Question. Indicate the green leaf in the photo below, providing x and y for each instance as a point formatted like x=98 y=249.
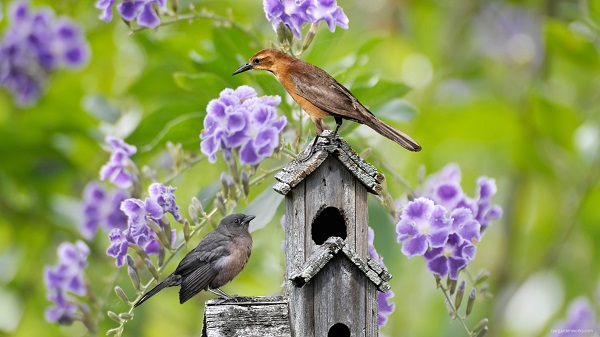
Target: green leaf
x=233 y=46
x=375 y=95
x=370 y=44
x=100 y=108
x=168 y=127
x=204 y=83
x=397 y=110
x=594 y=10
x=264 y=207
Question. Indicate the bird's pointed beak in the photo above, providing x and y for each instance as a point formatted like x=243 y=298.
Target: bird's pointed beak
x=248 y=218
x=243 y=68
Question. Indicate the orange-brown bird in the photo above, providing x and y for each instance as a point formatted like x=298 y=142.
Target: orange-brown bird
x=320 y=95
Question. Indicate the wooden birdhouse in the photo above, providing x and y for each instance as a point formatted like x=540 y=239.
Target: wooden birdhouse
x=331 y=282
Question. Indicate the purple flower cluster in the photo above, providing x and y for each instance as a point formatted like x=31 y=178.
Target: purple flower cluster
x=101 y=207
x=384 y=300
x=443 y=224
x=120 y=170
x=239 y=120
x=145 y=11
x=139 y=213
x=581 y=320
x=36 y=43
x=295 y=13
x=63 y=278
x=444 y=189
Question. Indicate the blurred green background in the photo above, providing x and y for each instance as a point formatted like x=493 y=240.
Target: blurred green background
x=506 y=89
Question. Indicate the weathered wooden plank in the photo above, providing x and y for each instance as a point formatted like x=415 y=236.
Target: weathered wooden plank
x=331 y=185
x=340 y=298
x=247 y=316
x=311 y=158
x=282 y=188
x=363 y=164
x=301 y=300
x=371 y=309
x=295 y=171
x=362 y=220
x=362 y=265
x=382 y=272
x=363 y=177
x=317 y=261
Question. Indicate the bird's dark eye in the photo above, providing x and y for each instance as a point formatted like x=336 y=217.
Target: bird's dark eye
x=237 y=220
x=256 y=61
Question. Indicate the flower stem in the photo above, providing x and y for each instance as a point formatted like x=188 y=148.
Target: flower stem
x=453 y=307
x=204 y=14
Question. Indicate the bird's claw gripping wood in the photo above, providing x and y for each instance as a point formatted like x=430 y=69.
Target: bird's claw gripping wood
x=320 y=95
x=325 y=138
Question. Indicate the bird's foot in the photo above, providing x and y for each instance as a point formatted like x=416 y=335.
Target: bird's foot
x=324 y=138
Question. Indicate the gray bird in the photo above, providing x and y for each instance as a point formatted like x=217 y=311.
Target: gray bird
x=219 y=257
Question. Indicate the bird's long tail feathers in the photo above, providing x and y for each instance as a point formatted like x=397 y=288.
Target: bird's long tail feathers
x=168 y=282
x=397 y=136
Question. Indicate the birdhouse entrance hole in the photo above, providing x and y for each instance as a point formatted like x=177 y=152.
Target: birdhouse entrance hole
x=329 y=222
x=338 y=330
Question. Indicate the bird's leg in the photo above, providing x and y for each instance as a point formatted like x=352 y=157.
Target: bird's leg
x=319 y=127
x=220 y=293
x=338 y=123
x=223 y=297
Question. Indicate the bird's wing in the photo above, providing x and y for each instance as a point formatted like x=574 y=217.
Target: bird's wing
x=196 y=281
x=327 y=94
x=212 y=247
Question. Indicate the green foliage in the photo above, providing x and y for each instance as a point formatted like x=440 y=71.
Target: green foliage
x=532 y=126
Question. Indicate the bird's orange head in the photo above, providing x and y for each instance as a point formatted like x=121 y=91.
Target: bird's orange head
x=265 y=59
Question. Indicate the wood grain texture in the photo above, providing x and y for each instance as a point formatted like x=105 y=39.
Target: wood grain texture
x=311 y=158
x=331 y=285
x=248 y=317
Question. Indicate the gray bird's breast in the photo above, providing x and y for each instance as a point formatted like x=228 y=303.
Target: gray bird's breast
x=231 y=265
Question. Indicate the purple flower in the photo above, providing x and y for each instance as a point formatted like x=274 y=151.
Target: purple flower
x=295 y=13
x=119 y=168
x=580 y=322
x=129 y=10
x=422 y=226
x=444 y=189
x=64 y=311
x=118 y=246
x=386 y=306
x=34 y=44
x=485 y=210
x=240 y=120
x=101 y=207
x=106 y=7
x=451 y=257
x=465 y=225
x=66 y=276
x=384 y=300
x=165 y=198
x=139 y=213
x=328 y=11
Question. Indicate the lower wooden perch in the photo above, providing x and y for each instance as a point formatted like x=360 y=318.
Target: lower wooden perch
x=266 y=316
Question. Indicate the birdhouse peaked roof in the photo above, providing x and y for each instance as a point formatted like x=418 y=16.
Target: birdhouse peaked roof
x=333 y=246
x=311 y=158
